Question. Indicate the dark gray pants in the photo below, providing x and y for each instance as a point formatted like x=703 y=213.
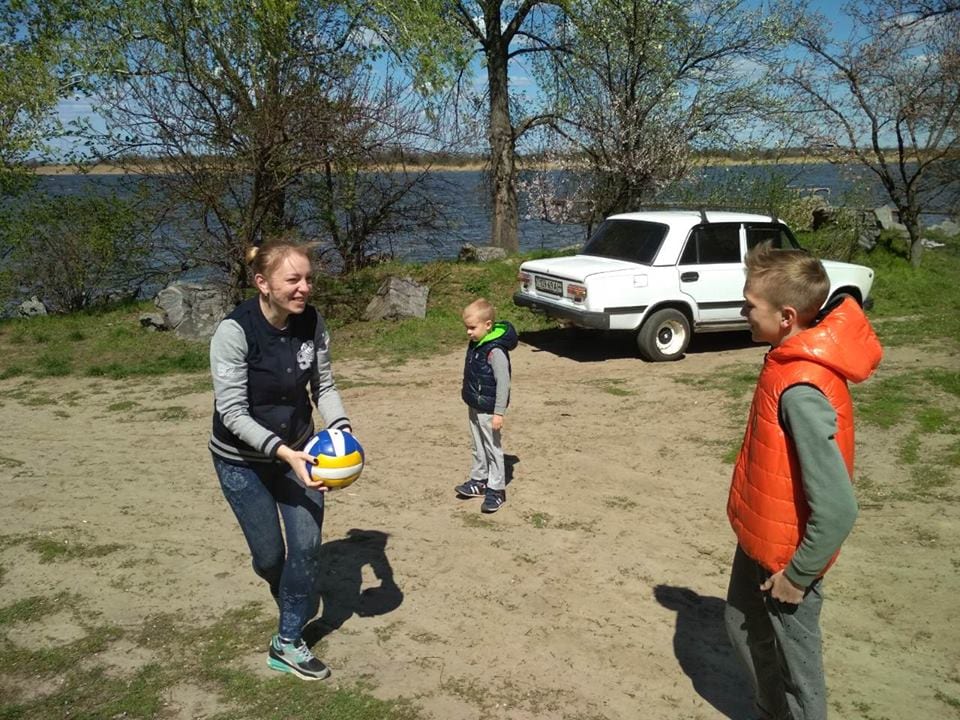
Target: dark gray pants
x=779 y=644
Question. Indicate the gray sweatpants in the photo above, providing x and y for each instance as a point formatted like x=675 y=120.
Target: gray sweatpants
x=487 y=453
x=779 y=644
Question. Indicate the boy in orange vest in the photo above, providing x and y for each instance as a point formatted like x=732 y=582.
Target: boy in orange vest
x=791 y=500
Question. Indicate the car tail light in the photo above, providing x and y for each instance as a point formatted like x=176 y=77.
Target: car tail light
x=577 y=292
x=524 y=278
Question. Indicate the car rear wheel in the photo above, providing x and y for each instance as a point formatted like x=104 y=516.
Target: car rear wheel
x=664 y=336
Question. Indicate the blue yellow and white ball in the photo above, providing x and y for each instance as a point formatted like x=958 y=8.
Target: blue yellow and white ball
x=339 y=458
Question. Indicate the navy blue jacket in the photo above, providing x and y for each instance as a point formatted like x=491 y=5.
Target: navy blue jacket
x=479 y=384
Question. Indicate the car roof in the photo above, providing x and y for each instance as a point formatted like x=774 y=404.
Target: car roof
x=689 y=218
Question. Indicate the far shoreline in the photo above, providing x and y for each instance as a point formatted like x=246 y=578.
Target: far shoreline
x=158 y=168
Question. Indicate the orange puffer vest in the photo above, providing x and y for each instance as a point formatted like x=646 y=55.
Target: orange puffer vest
x=767 y=506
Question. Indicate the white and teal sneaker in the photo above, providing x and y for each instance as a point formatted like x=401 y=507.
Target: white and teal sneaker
x=295 y=658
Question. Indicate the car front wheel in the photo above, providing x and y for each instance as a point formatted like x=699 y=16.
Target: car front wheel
x=664 y=336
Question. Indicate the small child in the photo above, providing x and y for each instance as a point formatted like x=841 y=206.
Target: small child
x=486 y=391
x=791 y=500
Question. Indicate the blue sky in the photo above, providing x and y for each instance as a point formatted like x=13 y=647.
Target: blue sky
x=79 y=108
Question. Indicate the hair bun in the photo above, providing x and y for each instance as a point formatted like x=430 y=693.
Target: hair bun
x=251 y=254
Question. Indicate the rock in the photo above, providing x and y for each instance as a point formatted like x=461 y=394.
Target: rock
x=889 y=219
x=153 y=321
x=31 y=308
x=948 y=227
x=193 y=310
x=484 y=253
x=398 y=297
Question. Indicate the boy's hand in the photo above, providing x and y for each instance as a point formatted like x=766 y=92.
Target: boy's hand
x=783 y=589
x=497 y=422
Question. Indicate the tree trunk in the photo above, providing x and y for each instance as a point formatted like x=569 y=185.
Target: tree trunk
x=503 y=230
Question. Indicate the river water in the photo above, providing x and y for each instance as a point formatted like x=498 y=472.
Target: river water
x=463 y=195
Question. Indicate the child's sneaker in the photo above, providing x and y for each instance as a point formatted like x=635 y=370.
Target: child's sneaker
x=492 y=500
x=471 y=489
x=295 y=658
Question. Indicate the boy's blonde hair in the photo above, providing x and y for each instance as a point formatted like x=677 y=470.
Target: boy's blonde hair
x=482 y=309
x=788 y=277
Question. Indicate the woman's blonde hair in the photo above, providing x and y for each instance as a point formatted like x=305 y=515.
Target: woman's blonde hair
x=784 y=278
x=263 y=259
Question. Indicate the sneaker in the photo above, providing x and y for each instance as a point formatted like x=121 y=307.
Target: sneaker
x=471 y=489
x=492 y=500
x=295 y=658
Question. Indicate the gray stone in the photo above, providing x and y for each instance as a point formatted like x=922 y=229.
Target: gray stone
x=398 y=297
x=889 y=219
x=948 y=228
x=483 y=253
x=153 y=321
x=193 y=310
x=31 y=308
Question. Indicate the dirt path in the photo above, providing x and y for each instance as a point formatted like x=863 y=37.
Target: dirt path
x=596 y=592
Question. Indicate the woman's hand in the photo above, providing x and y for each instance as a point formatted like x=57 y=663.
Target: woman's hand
x=299 y=460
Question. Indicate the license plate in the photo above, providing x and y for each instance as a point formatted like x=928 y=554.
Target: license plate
x=547 y=285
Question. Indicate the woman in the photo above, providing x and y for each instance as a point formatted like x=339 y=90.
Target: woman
x=263 y=358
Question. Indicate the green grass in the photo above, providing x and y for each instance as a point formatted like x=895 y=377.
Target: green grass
x=79 y=683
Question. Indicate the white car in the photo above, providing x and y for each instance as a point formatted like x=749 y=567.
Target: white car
x=664 y=275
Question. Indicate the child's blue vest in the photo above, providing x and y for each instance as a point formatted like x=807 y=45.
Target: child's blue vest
x=479 y=385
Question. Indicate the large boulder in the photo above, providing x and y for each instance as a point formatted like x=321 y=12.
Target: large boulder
x=483 y=253
x=398 y=297
x=193 y=310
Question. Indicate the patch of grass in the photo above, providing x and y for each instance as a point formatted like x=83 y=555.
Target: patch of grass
x=53 y=550
x=174 y=412
x=122 y=405
x=914 y=306
x=53 y=365
x=936 y=419
x=886 y=401
x=539 y=520
x=476 y=520
x=910 y=449
x=33 y=608
x=947 y=699
x=612 y=386
x=11 y=372
x=619 y=502
x=946 y=380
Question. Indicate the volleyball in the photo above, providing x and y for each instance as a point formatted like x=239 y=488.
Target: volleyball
x=339 y=458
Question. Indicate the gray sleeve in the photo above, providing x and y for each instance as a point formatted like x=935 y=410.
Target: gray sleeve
x=323 y=389
x=501 y=373
x=228 y=366
x=811 y=422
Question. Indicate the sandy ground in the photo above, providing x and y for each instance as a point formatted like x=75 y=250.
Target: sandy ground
x=596 y=592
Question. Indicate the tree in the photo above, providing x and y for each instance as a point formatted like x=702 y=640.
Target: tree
x=239 y=107
x=888 y=99
x=32 y=81
x=500 y=32
x=646 y=81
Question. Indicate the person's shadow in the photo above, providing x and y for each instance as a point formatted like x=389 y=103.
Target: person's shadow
x=509 y=461
x=342 y=563
x=704 y=652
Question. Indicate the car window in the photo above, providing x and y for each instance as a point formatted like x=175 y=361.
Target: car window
x=630 y=240
x=777 y=234
x=716 y=243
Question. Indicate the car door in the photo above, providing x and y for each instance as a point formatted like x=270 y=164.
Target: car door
x=711 y=272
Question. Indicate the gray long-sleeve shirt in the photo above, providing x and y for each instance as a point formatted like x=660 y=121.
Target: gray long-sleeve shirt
x=501 y=373
x=811 y=422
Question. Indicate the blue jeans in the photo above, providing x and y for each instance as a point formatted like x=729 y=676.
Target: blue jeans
x=291 y=569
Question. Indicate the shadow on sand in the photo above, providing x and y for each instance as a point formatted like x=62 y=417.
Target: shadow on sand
x=598 y=345
x=704 y=652
x=342 y=562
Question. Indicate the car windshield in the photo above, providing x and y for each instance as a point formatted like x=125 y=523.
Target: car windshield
x=631 y=240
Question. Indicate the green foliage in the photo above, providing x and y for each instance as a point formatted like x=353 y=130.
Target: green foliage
x=68 y=249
